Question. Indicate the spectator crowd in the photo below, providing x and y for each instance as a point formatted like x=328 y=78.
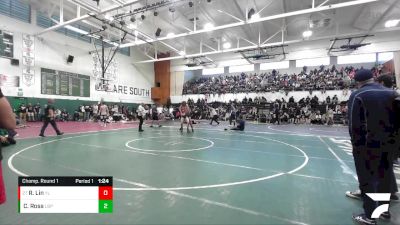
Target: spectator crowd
x=84 y=113
x=88 y=112
x=307 y=80
x=306 y=111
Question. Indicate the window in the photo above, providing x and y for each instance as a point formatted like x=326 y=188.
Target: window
x=214 y=71
x=98 y=43
x=274 y=65
x=74 y=31
x=76 y=35
x=313 y=62
x=16 y=9
x=362 y=58
x=125 y=51
x=44 y=21
x=242 y=68
x=385 y=56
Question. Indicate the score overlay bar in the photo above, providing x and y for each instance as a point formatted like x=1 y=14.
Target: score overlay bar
x=65 y=195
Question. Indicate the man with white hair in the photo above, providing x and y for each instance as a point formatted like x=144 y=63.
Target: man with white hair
x=373 y=130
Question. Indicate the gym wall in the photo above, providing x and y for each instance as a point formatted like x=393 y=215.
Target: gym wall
x=51 y=52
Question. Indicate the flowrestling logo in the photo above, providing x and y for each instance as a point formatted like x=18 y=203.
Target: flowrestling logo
x=380 y=197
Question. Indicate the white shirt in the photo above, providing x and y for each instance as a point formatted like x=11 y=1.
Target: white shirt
x=160 y=110
x=95 y=109
x=141 y=111
x=213 y=112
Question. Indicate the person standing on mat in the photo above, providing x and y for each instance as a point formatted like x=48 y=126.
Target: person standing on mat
x=141 y=112
x=7 y=121
x=49 y=117
x=372 y=129
x=104 y=114
x=184 y=112
x=386 y=81
x=214 y=115
x=154 y=116
x=232 y=117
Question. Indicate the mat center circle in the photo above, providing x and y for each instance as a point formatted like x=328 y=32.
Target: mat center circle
x=169 y=144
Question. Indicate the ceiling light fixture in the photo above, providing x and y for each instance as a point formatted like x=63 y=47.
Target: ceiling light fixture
x=307 y=33
x=132 y=26
x=227 y=45
x=255 y=16
x=109 y=17
x=208 y=26
x=391 y=23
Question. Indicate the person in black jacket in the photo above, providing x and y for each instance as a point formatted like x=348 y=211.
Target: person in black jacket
x=372 y=129
x=49 y=117
x=7 y=121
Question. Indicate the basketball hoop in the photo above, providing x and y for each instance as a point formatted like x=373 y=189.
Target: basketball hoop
x=110 y=74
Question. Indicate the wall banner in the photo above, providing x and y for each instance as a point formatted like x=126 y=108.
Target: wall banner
x=28 y=60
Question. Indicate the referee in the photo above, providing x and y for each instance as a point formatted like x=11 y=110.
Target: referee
x=372 y=129
x=141 y=113
x=49 y=116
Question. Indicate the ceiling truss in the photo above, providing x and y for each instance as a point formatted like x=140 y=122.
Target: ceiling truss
x=181 y=53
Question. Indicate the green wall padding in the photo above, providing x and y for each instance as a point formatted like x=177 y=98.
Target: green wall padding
x=69 y=105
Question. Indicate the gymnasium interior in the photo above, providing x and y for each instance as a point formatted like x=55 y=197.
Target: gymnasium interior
x=244 y=105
